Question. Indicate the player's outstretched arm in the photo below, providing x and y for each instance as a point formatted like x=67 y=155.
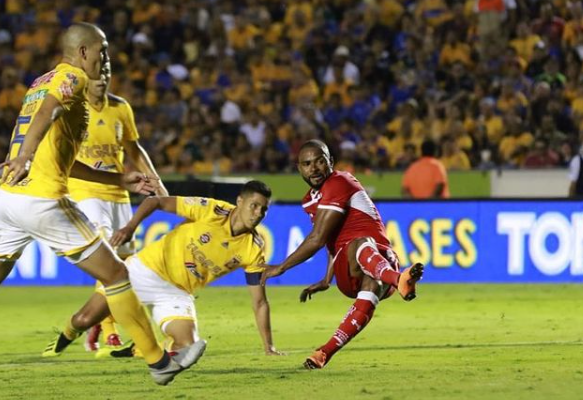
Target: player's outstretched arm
x=141 y=161
x=147 y=207
x=326 y=223
x=19 y=167
x=262 y=313
x=320 y=286
x=136 y=182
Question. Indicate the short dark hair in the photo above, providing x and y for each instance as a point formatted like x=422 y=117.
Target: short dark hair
x=317 y=144
x=256 y=187
x=428 y=148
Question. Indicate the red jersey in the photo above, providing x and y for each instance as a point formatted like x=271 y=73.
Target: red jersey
x=342 y=192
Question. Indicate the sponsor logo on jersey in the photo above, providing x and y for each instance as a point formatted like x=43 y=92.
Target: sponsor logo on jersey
x=38 y=95
x=118 y=131
x=191 y=267
x=205 y=238
x=233 y=263
x=221 y=211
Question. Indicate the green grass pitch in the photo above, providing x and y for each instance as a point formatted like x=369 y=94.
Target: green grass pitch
x=453 y=342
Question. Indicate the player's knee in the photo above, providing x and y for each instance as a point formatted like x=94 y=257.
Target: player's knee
x=82 y=321
x=117 y=273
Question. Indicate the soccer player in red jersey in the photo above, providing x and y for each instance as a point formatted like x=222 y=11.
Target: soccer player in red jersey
x=346 y=221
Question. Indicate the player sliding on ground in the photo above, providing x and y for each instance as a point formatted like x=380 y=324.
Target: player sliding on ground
x=111 y=131
x=216 y=239
x=346 y=221
x=33 y=191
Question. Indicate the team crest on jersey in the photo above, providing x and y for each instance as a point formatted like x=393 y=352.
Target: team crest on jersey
x=204 y=201
x=205 y=238
x=100 y=122
x=118 y=131
x=221 y=211
x=225 y=245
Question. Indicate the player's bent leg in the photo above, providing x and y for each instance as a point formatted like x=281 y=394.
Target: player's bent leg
x=358 y=316
x=365 y=253
x=104 y=265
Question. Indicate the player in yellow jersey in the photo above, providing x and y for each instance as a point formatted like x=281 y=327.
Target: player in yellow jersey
x=216 y=239
x=111 y=131
x=33 y=188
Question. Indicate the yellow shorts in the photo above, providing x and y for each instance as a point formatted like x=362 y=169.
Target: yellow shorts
x=58 y=223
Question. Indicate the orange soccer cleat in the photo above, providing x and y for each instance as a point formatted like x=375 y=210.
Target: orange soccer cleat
x=407 y=281
x=316 y=360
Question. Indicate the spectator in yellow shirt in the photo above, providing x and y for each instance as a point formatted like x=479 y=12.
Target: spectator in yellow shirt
x=454 y=50
x=452 y=157
x=525 y=41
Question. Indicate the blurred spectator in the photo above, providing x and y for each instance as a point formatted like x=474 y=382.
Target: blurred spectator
x=11 y=90
x=452 y=157
x=540 y=156
x=426 y=178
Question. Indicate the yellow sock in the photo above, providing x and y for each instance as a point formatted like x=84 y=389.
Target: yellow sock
x=70 y=332
x=129 y=313
x=108 y=328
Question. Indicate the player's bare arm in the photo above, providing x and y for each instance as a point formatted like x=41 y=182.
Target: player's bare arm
x=326 y=223
x=145 y=209
x=141 y=161
x=19 y=167
x=263 y=318
x=320 y=286
x=136 y=182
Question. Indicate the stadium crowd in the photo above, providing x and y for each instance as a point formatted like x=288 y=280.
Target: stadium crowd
x=232 y=86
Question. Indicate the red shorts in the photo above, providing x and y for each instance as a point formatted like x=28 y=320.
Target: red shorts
x=349 y=285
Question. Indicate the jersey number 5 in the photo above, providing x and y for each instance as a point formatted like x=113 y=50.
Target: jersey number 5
x=18 y=137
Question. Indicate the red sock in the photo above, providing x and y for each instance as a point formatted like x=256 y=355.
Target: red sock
x=375 y=265
x=356 y=319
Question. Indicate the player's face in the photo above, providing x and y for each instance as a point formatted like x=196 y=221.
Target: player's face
x=96 y=57
x=99 y=87
x=253 y=208
x=314 y=166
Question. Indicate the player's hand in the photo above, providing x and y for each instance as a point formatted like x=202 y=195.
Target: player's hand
x=140 y=183
x=121 y=236
x=272 y=351
x=270 y=271
x=18 y=167
x=310 y=290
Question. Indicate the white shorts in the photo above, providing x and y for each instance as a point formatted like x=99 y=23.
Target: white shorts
x=109 y=216
x=58 y=223
x=167 y=302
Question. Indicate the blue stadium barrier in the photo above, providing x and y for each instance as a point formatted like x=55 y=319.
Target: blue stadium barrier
x=459 y=241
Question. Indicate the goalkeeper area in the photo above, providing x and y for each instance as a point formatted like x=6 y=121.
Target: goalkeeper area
x=453 y=342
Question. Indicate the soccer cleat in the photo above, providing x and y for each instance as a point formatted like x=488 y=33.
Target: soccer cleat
x=92 y=339
x=316 y=360
x=407 y=281
x=125 y=350
x=183 y=360
x=56 y=347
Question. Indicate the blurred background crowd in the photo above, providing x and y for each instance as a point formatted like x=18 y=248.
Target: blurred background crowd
x=220 y=87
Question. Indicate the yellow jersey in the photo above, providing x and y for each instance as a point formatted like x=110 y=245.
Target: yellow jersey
x=102 y=149
x=56 y=152
x=203 y=249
